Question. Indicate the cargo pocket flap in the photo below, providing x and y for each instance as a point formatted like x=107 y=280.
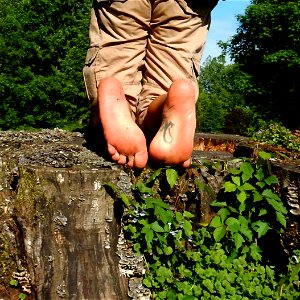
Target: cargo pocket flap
x=91 y=55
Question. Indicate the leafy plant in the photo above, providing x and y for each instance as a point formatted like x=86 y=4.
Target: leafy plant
x=275 y=134
x=222 y=260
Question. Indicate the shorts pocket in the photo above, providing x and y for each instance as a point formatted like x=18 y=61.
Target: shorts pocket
x=89 y=74
x=91 y=55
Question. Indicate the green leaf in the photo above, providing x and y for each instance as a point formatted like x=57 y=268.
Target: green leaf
x=125 y=200
x=200 y=184
x=278 y=206
x=164 y=215
x=22 y=296
x=247 y=187
x=147 y=282
x=168 y=250
x=261 y=228
x=216 y=222
x=264 y=155
x=269 y=194
x=219 y=233
x=188 y=214
x=259 y=174
x=137 y=247
x=236 y=180
x=257 y=196
x=154 y=175
x=281 y=219
x=271 y=180
x=262 y=212
x=187 y=227
x=148 y=234
x=229 y=187
x=242 y=196
x=14 y=282
x=223 y=213
x=233 y=224
x=218 y=204
x=247 y=171
x=238 y=240
x=261 y=184
x=171 y=177
x=156 y=227
x=235 y=171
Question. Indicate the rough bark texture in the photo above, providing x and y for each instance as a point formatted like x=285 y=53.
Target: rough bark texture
x=59 y=233
x=59 y=228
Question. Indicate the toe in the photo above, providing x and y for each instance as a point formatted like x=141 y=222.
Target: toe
x=122 y=159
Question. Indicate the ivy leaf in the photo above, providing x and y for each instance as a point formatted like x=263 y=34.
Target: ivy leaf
x=229 y=187
x=261 y=228
x=171 y=177
x=219 y=233
x=261 y=184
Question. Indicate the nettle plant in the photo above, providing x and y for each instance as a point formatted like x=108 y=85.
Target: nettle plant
x=221 y=260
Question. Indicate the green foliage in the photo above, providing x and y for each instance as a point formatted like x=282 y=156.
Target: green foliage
x=15 y=284
x=42 y=49
x=222 y=260
x=275 y=134
x=221 y=104
x=273 y=67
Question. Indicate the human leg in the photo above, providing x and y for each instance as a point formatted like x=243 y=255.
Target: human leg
x=172 y=69
x=113 y=74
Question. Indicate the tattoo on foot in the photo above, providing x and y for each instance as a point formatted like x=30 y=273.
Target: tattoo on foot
x=167 y=135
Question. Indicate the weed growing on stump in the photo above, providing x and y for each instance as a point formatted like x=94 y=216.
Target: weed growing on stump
x=225 y=259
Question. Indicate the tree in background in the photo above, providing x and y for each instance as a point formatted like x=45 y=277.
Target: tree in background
x=221 y=105
x=42 y=48
x=267 y=48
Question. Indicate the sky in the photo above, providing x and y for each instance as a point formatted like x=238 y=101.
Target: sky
x=223 y=25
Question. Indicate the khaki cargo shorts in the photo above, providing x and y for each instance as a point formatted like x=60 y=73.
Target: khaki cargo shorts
x=146 y=45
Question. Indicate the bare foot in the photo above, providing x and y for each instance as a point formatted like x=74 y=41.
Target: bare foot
x=173 y=143
x=126 y=142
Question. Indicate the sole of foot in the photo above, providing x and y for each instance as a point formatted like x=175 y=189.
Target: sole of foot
x=126 y=142
x=173 y=143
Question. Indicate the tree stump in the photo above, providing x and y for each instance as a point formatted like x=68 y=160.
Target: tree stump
x=59 y=231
